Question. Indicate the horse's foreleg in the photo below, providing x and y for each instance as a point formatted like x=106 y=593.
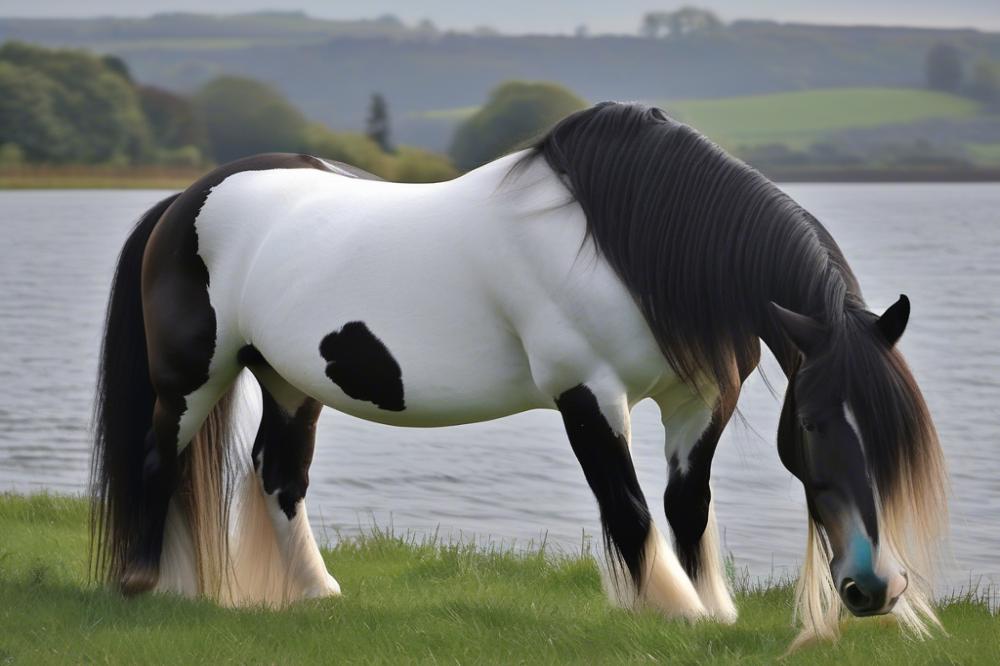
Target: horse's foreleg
x=644 y=570
x=282 y=454
x=688 y=502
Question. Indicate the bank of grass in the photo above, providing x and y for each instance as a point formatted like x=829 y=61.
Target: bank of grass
x=87 y=177
x=405 y=602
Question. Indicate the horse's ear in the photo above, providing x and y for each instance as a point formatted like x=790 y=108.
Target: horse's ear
x=806 y=333
x=892 y=323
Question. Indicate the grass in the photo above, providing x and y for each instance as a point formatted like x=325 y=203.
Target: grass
x=408 y=601
x=456 y=114
x=798 y=119
x=988 y=153
x=88 y=177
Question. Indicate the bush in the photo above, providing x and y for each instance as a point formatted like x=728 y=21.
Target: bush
x=11 y=155
x=354 y=149
x=413 y=165
x=245 y=117
x=515 y=113
x=173 y=119
x=407 y=165
x=185 y=156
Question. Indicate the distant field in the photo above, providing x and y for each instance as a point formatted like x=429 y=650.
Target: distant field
x=456 y=114
x=409 y=602
x=798 y=119
x=795 y=119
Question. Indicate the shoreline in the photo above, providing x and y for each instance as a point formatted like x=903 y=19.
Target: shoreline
x=75 y=177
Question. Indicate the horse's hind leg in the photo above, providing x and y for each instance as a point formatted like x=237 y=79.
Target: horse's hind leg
x=177 y=416
x=282 y=454
x=645 y=572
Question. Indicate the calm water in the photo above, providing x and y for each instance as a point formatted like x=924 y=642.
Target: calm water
x=516 y=478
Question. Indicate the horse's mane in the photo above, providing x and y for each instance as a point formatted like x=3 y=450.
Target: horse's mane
x=704 y=243
x=701 y=240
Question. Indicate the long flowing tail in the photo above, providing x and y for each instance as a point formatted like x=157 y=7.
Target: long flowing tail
x=123 y=411
x=217 y=493
x=196 y=545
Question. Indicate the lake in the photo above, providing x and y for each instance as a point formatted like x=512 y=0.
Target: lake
x=515 y=479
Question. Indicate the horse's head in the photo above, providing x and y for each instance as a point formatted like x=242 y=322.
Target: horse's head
x=850 y=412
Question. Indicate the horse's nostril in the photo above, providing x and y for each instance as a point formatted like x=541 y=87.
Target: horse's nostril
x=854 y=596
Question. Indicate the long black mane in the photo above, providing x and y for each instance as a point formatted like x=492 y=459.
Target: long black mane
x=702 y=241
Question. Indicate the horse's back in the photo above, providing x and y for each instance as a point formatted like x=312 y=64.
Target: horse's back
x=460 y=289
x=296 y=256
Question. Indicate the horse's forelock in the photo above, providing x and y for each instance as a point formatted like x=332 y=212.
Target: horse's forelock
x=905 y=463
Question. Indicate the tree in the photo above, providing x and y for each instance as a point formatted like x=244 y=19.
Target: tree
x=986 y=83
x=377 y=126
x=173 y=119
x=427 y=29
x=407 y=165
x=71 y=106
x=944 y=68
x=28 y=116
x=684 y=21
x=515 y=113
x=118 y=66
x=244 y=117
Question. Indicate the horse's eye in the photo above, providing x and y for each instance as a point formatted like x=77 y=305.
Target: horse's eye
x=808 y=425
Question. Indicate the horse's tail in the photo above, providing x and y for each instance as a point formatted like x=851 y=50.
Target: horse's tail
x=195 y=555
x=123 y=411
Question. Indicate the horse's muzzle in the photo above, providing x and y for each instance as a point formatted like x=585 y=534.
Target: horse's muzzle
x=872 y=595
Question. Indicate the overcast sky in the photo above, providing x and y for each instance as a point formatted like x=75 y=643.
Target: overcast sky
x=518 y=16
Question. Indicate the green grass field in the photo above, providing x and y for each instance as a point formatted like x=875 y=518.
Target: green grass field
x=798 y=119
x=408 y=602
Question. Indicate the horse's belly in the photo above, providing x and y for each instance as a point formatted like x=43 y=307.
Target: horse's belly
x=403 y=373
x=387 y=336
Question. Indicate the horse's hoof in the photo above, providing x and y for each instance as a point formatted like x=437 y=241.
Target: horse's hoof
x=330 y=589
x=138 y=579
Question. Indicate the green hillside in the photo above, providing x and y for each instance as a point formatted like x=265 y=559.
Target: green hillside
x=798 y=119
x=837 y=133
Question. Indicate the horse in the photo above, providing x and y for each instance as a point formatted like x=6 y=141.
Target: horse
x=623 y=256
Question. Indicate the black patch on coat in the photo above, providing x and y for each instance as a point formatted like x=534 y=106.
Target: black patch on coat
x=607 y=465
x=361 y=365
x=283 y=450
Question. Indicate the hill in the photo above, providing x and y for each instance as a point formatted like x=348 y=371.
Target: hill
x=838 y=133
x=799 y=119
x=329 y=68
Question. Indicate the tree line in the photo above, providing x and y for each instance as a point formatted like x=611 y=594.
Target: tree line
x=74 y=107
x=945 y=70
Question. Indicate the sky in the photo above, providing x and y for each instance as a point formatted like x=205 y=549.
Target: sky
x=552 y=16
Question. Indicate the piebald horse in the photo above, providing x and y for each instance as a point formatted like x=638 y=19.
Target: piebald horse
x=623 y=257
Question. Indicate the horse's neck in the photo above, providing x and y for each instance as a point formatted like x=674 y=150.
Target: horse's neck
x=529 y=186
